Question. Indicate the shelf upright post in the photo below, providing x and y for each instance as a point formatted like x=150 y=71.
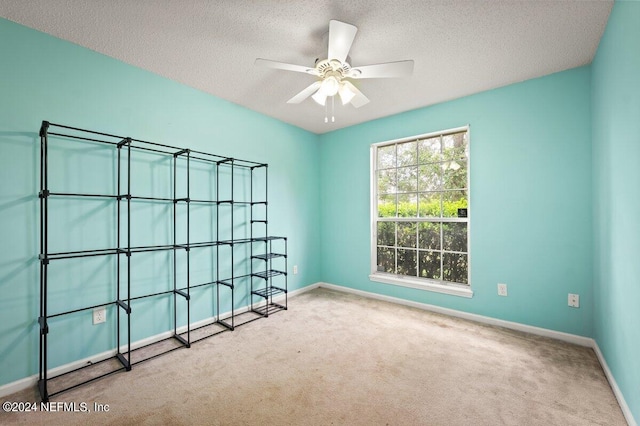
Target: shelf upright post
x=128 y=304
x=128 y=308
x=118 y=246
x=175 y=248
x=126 y=362
x=188 y=252
x=226 y=282
x=251 y=260
x=269 y=281
x=217 y=199
x=44 y=261
x=232 y=245
x=267 y=243
x=176 y=290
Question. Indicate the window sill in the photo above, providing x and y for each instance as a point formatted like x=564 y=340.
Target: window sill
x=451 y=289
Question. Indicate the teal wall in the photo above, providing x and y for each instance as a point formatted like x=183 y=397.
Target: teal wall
x=44 y=78
x=530 y=200
x=546 y=204
x=616 y=184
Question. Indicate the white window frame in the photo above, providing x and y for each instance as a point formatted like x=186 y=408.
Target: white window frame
x=404 y=280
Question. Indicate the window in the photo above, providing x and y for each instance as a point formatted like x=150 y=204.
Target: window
x=420 y=212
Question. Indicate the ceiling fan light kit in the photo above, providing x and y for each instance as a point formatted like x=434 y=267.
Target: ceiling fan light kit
x=346 y=94
x=334 y=72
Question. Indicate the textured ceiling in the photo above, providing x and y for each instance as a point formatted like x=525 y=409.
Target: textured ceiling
x=459 y=47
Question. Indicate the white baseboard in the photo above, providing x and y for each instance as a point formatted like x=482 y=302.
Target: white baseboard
x=18 y=385
x=32 y=381
x=614 y=386
x=571 y=338
x=566 y=337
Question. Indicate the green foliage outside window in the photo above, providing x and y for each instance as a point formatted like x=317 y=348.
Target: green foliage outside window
x=429 y=208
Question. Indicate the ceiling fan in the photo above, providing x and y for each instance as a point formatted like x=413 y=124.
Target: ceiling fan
x=335 y=72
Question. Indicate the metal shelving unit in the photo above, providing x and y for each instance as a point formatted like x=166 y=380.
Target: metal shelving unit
x=121 y=200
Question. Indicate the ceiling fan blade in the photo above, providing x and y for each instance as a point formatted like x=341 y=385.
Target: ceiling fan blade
x=359 y=99
x=341 y=37
x=284 y=66
x=386 y=70
x=305 y=93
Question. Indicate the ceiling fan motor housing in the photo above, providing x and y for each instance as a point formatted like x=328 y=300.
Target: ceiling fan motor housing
x=328 y=67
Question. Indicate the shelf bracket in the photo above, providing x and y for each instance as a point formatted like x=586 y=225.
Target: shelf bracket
x=123 y=142
x=182 y=340
x=183 y=294
x=44 y=327
x=230 y=285
x=44 y=128
x=42 y=387
x=124 y=306
x=123 y=361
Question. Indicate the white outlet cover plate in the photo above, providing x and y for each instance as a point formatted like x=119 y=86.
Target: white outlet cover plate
x=99 y=315
x=574 y=300
x=502 y=289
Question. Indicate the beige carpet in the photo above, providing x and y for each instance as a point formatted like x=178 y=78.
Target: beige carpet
x=338 y=359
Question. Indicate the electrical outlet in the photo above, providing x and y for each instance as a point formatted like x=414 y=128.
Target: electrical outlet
x=99 y=315
x=574 y=300
x=502 y=289
x=295 y=269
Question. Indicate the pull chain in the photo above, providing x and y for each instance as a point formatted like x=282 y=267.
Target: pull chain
x=333 y=109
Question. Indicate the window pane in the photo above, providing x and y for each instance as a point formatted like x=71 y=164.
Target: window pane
x=407 y=262
x=407 y=205
x=455 y=236
x=429 y=262
x=407 y=154
x=456 y=268
x=386 y=260
x=429 y=177
x=387 y=181
x=429 y=235
x=454 y=146
x=454 y=174
x=386 y=233
x=421 y=185
x=452 y=201
x=387 y=205
x=466 y=145
x=386 y=157
x=429 y=150
x=407 y=234
x=429 y=204
x=407 y=179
